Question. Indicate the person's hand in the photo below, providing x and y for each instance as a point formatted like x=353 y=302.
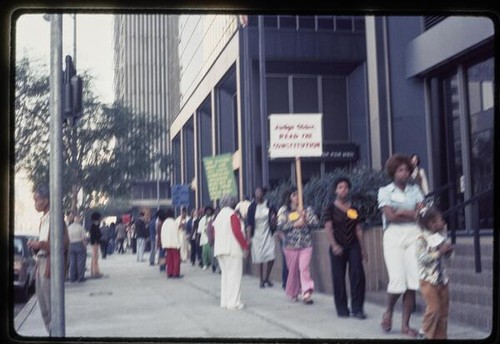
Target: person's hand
x=337 y=249
x=445 y=248
x=34 y=245
x=299 y=223
x=245 y=253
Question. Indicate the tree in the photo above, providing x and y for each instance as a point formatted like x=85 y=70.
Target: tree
x=109 y=149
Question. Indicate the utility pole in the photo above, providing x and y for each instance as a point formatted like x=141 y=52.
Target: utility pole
x=74 y=149
x=57 y=267
x=74 y=40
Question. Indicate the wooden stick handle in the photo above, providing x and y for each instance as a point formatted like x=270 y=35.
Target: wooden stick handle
x=299 y=182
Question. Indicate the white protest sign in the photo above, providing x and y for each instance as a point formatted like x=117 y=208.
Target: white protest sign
x=295 y=135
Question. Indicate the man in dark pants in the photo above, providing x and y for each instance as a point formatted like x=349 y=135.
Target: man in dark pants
x=104 y=240
x=142 y=234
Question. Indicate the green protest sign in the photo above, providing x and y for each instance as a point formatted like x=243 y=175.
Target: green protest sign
x=220 y=176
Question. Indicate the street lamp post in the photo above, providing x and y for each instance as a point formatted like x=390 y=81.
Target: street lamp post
x=74 y=40
x=56 y=205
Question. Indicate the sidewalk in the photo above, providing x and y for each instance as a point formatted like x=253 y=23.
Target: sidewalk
x=135 y=300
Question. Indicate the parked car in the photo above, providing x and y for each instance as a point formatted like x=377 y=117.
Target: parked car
x=24 y=266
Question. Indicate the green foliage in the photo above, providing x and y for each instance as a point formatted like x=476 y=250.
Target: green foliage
x=110 y=149
x=318 y=192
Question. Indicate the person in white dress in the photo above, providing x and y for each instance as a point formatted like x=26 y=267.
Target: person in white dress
x=261 y=219
x=181 y=222
x=418 y=174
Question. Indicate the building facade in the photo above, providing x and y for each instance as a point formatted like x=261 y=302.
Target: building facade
x=383 y=84
x=146 y=68
x=431 y=82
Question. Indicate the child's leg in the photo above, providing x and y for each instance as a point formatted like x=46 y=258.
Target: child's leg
x=432 y=316
x=442 y=327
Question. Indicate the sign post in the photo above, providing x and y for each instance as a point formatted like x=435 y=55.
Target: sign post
x=298 y=171
x=296 y=136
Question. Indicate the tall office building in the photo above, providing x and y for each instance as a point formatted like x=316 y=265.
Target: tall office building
x=145 y=66
x=383 y=84
x=238 y=71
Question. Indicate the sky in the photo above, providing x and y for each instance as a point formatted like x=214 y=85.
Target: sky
x=94 y=52
x=94 y=46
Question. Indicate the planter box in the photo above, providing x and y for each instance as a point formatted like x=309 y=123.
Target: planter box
x=375 y=271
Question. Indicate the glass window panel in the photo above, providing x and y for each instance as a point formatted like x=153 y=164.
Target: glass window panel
x=325 y=23
x=253 y=20
x=310 y=169
x=487 y=94
x=335 y=122
x=277 y=95
x=278 y=171
x=359 y=24
x=481 y=111
x=305 y=95
x=474 y=97
x=343 y=23
x=288 y=22
x=454 y=144
x=176 y=151
x=271 y=21
x=306 y=22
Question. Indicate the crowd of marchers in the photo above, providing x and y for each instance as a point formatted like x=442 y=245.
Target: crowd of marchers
x=414 y=246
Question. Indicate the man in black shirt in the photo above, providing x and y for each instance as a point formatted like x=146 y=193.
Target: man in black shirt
x=142 y=234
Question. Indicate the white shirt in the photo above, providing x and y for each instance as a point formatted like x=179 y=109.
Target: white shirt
x=392 y=196
x=225 y=241
x=44 y=227
x=76 y=233
x=179 y=219
x=170 y=234
x=242 y=208
x=202 y=229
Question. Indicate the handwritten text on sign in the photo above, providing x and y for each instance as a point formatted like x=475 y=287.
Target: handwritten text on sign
x=295 y=135
x=220 y=176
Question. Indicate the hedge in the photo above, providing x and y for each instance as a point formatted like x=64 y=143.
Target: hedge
x=318 y=192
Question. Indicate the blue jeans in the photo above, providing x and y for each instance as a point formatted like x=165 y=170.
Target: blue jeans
x=152 y=254
x=141 y=245
x=162 y=259
x=77 y=259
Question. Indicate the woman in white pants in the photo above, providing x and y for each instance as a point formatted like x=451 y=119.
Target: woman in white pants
x=400 y=203
x=230 y=247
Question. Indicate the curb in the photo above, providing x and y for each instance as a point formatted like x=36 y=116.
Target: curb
x=25 y=313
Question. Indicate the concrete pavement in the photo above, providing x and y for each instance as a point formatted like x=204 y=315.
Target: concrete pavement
x=135 y=300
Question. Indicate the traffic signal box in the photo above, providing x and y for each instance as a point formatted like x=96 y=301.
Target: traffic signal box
x=72 y=93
